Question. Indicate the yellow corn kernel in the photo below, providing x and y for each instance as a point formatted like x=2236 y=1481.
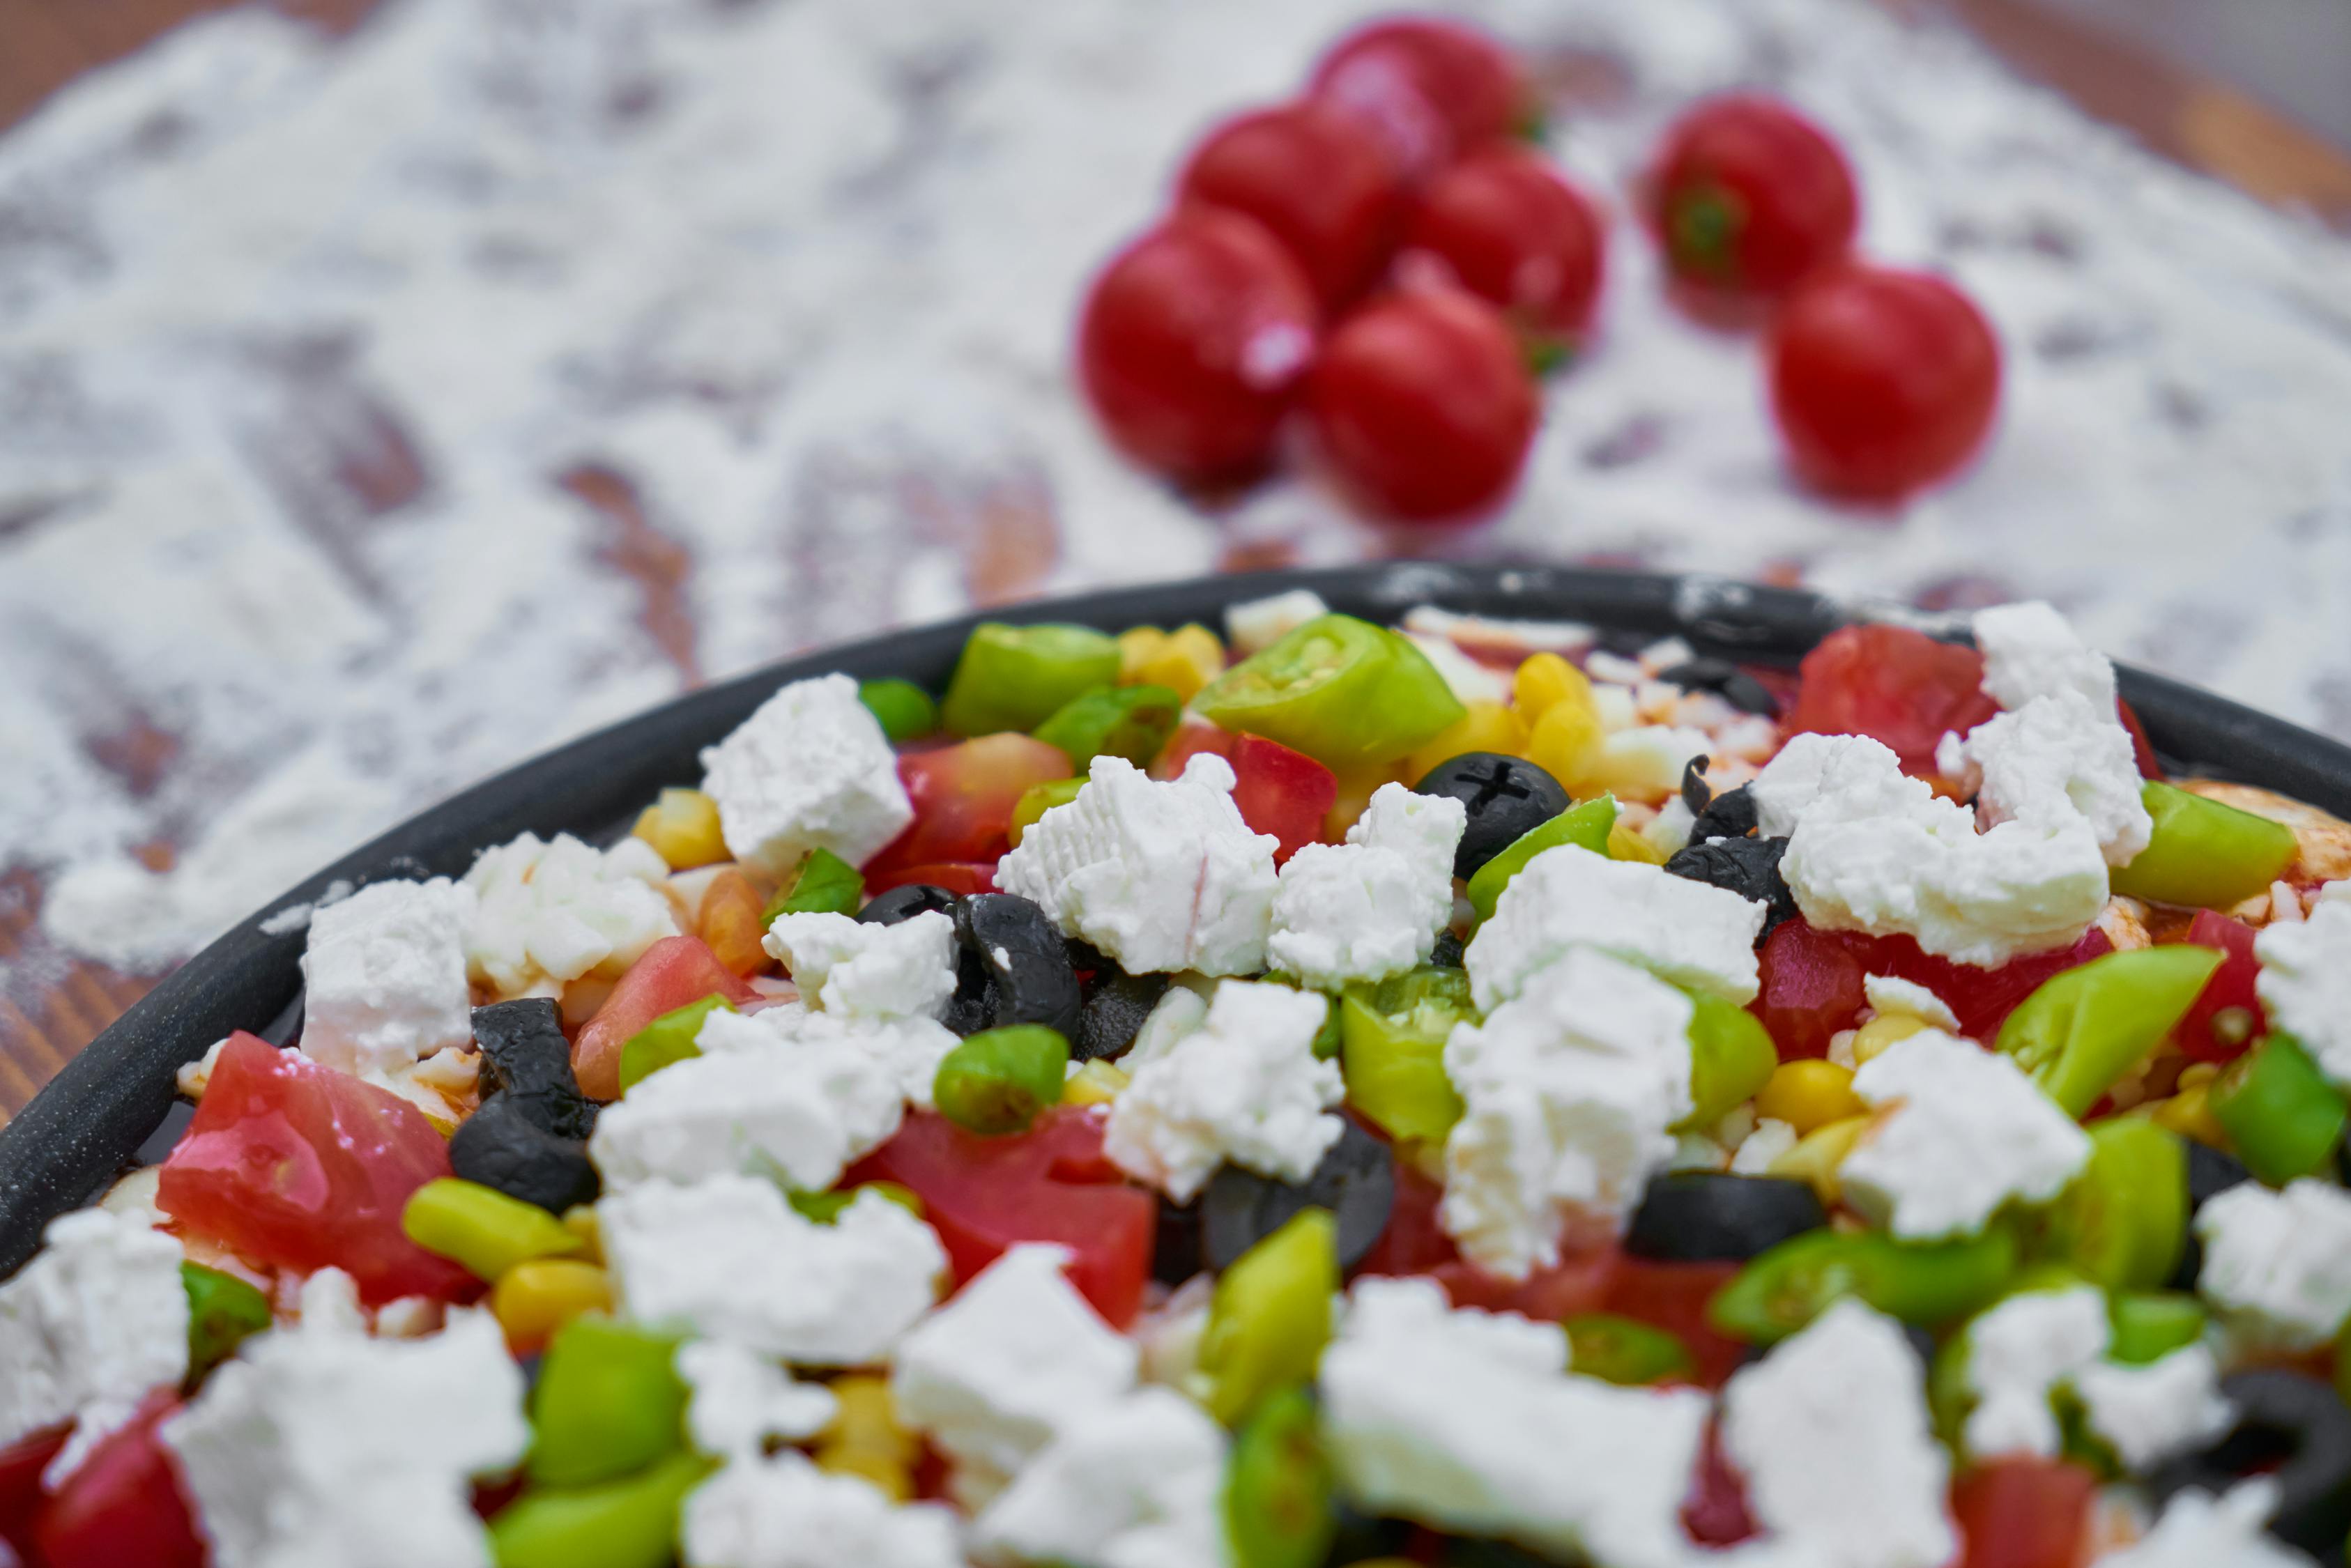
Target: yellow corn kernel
x=1486 y=726
x=1545 y=680
x=1817 y=1155
x=1807 y=1095
x=534 y=1299
x=1356 y=792
x=2196 y=1075
x=1138 y=646
x=1872 y=1038
x=2190 y=1114
x=683 y=827
x=1183 y=660
x=1625 y=843
x=1565 y=742
x=894 y=1479
x=867 y=1420
x=731 y=921
x=1095 y=1083
x=580 y=1220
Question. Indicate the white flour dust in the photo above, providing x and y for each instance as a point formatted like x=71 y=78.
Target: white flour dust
x=297 y=339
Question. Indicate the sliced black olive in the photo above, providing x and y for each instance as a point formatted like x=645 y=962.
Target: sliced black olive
x=1175 y=1247
x=2292 y=1429
x=1448 y=953
x=525 y=1055
x=1696 y=791
x=1361 y=1536
x=1022 y=959
x=1484 y=1553
x=1727 y=681
x=1355 y=1181
x=973 y=1006
x=1091 y=964
x=1748 y=867
x=1708 y=1216
x=501 y=1146
x=2211 y=1173
x=1729 y=815
x=905 y=901
x=1115 y=1010
x=1506 y=797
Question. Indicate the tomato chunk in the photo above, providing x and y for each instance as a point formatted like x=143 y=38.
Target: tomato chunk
x=2226 y=1017
x=1413 y=1243
x=123 y=1504
x=670 y=974
x=1673 y=1296
x=963 y=797
x=1048 y=1183
x=2023 y=1513
x=298 y=1165
x=1715 y=1512
x=21 y=1464
x=1894 y=684
x=1279 y=791
x=1812 y=982
x=965 y=877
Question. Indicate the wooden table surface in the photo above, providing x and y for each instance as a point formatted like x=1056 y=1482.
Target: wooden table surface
x=45 y=42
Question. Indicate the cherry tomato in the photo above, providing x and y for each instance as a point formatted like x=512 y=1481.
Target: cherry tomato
x=300 y=1167
x=2023 y=1513
x=1430 y=89
x=667 y=976
x=1423 y=407
x=2227 y=1016
x=1509 y=228
x=1320 y=182
x=123 y=1504
x=1882 y=381
x=963 y=797
x=1194 y=343
x=1893 y=684
x=1748 y=197
x=1277 y=791
x=1049 y=1184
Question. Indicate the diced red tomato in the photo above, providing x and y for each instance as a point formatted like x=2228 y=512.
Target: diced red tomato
x=1982 y=999
x=298 y=1165
x=963 y=797
x=670 y=974
x=2023 y=1513
x=2226 y=1016
x=957 y=876
x=2142 y=748
x=1894 y=684
x=21 y=1464
x=1413 y=1243
x=1279 y=791
x=1673 y=1296
x=1048 y=1183
x=1577 y=1283
x=123 y=1504
x=1715 y=1511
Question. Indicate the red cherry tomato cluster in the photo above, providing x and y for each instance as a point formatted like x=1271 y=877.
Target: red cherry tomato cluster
x=1378 y=259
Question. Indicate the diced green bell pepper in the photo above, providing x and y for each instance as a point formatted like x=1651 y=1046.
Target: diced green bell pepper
x=1625 y=1350
x=2203 y=853
x=1271 y=1315
x=1343 y=690
x=2122 y=1221
x=609 y=1403
x=1014 y=677
x=823 y=883
x=2086 y=1027
x=1278 y=1502
x=999 y=1079
x=632 y=1523
x=483 y=1229
x=1038 y=799
x=2150 y=1324
x=1788 y=1286
x=224 y=1311
x=825 y=1207
x=668 y=1039
x=1132 y=722
x=1587 y=824
x=2279 y=1113
x=1392 y=1049
x=903 y=709
x=1731 y=1058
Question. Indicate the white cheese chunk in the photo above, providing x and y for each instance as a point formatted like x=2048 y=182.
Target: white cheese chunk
x=547 y=913
x=1179 y=1010
x=2031 y=650
x=740 y=1402
x=2054 y=758
x=1469 y=680
x=1643 y=761
x=1158 y=876
x=1892 y=994
x=728 y=1258
x=1372 y=906
x=383 y=977
x=1017 y=1356
x=1568 y=1091
x=1257 y=623
x=1832 y=1432
x=1963 y=1131
x=2278 y=1264
x=1134 y=1483
x=2198 y=1530
x=2153 y=1412
x=2305 y=982
x=858 y=968
x=784 y=1512
x=1470 y=1421
x=810 y=770
x=319 y=1445
x=1688 y=933
x=2019 y=1354
x=1245 y=1086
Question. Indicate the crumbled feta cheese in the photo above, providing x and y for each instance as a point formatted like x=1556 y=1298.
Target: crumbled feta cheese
x=784 y=1512
x=994 y=1374
x=1134 y=1483
x=1470 y=1421
x=1831 y=1433
x=2018 y=1354
x=728 y=1258
x=1245 y=1086
x=1962 y=1132
x=132 y=1197
x=2197 y=1531
x=742 y=1402
x=1469 y=681
x=2054 y=758
x=1372 y=906
x=97 y=1320
x=2278 y=1263
x=1179 y=1010
x=1643 y=761
x=1257 y=623
x=1499 y=634
x=1688 y=933
x=1157 y=876
x=1762 y=1147
x=547 y=913
x=1871 y=848
x=1668 y=831
x=2031 y=650
x=2305 y=982
x=754 y=1103
x=328 y=1300
x=1567 y=1089
x=2149 y=1414
x=320 y=1444
x=383 y=977
x=1892 y=994
x=910 y=1048
x=811 y=770
x=1613 y=669
x=860 y=968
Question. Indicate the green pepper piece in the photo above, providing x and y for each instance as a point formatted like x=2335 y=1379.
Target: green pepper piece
x=1132 y=722
x=1343 y=690
x=1936 y=1283
x=668 y=1039
x=2279 y=1111
x=903 y=709
x=822 y=884
x=1625 y=1350
x=825 y=1207
x=1278 y=1503
x=1271 y=1315
x=609 y=1403
x=630 y=1522
x=1587 y=824
x=483 y=1228
x=1038 y=799
x=1731 y=1057
x=2203 y=853
x=2150 y=1324
x=1950 y=1394
x=2086 y=1027
x=2122 y=1222
x=1013 y=678
x=998 y=1080
x=1392 y=1049
x=224 y=1311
